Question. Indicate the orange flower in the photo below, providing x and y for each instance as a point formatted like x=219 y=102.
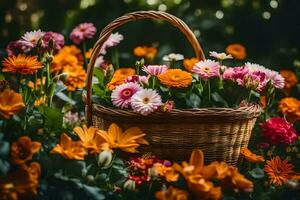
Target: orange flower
x=21 y=64
x=279 y=171
x=76 y=77
x=167 y=172
x=63 y=60
x=215 y=170
x=88 y=54
x=171 y=193
x=38 y=83
x=23 y=150
x=21 y=184
x=41 y=101
x=251 y=157
x=146 y=52
x=237 y=51
x=73 y=50
x=290 y=80
x=90 y=139
x=175 y=78
x=190 y=63
x=119 y=77
x=290 y=106
x=69 y=149
x=10 y=103
x=127 y=141
x=238 y=181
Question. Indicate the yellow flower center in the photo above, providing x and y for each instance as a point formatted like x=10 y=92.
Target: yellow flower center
x=146 y=100
x=206 y=69
x=127 y=93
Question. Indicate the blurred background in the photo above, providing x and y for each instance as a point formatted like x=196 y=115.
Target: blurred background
x=269 y=29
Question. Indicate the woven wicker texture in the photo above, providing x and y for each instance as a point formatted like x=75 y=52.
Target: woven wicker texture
x=220 y=132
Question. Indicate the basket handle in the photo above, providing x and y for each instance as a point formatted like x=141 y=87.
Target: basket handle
x=106 y=32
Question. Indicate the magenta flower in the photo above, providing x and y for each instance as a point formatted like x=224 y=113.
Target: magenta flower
x=17 y=47
x=155 y=70
x=56 y=39
x=121 y=96
x=278 y=130
x=207 y=69
x=143 y=80
x=255 y=81
x=82 y=32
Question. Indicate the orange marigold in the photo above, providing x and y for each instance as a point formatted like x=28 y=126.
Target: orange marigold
x=88 y=54
x=119 y=77
x=10 y=103
x=69 y=149
x=21 y=184
x=290 y=80
x=63 y=60
x=190 y=63
x=23 y=150
x=175 y=78
x=21 y=64
x=76 y=77
x=251 y=157
x=145 y=52
x=171 y=193
x=237 y=51
x=73 y=50
x=290 y=106
x=279 y=171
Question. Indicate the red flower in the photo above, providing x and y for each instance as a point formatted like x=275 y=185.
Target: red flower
x=278 y=130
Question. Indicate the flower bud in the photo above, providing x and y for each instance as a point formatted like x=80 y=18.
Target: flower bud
x=90 y=178
x=104 y=159
x=129 y=185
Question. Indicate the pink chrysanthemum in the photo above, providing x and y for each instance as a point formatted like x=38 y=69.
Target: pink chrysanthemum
x=146 y=101
x=220 y=56
x=143 y=80
x=30 y=39
x=113 y=40
x=16 y=47
x=278 y=130
x=82 y=32
x=235 y=73
x=155 y=70
x=207 y=69
x=56 y=39
x=255 y=81
x=121 y=96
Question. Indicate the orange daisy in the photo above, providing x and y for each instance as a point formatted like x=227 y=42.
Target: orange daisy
x=119 y=77
x=73 y=50
x=190 y=63
x=251 y=157
x=69 y=149
x=127 y=141
x=167 y=172
x=237 y=51
x=23 y=150
x=10 y=103
x=279 y=171
x=21 y=64
x=145 y=52
x=175 y=78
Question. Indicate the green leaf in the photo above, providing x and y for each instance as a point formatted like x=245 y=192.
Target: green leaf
x=163 y=89
x=255 y=93
x=4 y=167
x=93 y=192
x=53 y=118
x=193 y=101
x=100 y=76
x=257 y=173
x=217 y=98
x=65 y=98
x=4 y=148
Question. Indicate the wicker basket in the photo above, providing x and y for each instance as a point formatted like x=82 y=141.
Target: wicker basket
x=220 y=132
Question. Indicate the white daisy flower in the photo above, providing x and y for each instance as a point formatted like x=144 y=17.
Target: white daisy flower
x=146 y=101
x=220 y=56
x=173 y=57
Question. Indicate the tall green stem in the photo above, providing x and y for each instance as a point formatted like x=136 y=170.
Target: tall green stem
x=209 y=92
x=84 y=57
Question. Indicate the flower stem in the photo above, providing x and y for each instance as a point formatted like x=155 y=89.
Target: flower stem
x=249 y=96
x=48 y=74
x=35 y=80
x=209 y=92
x=83 y=53
x=153 y=82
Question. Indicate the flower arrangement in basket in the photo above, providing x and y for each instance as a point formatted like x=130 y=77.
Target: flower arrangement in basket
x=181 y=103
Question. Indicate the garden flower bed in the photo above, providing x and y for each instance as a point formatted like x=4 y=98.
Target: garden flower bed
x=49 y=151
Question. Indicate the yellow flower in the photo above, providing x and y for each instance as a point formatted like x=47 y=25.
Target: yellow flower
x=145 y=52
x=69 y=149
x=279 y=171
x=21 y=64
x=290 y=106
x=175 y=78
x=41 y=101
x=10 y=103
x=127 y=141
x=167 y=172
x=23 y=150
x=90 y=139
x=171 y=193
x=251 y=157
x=190 y=63
x=237 y=51
x=88 y=54
x=119 y=77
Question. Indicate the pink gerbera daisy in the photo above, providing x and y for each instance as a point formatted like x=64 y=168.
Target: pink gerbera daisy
x=155 y=70
x=121 y=96
x=82 y=32
x=207 y=69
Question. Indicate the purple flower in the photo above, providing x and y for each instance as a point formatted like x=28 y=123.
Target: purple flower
x=56 y=38
x=16 y=47
x=82 y=32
